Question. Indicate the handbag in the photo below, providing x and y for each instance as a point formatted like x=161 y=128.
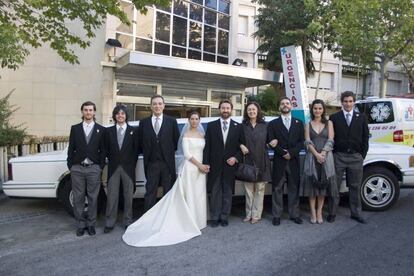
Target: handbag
x=247 y=172
x=322 y=182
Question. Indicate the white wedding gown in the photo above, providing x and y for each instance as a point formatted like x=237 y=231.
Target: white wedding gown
x=182 y=212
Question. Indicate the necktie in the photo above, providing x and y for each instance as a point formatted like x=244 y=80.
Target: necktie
x=120 y=136
x=348 y=119
x=225 y=126
x=157 y=125
x=287 y=123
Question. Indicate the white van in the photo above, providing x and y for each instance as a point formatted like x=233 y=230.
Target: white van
x=390 y=120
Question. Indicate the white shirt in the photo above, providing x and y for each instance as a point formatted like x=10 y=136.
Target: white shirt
x=288 y=118
x=350 y=112
x=225 y=133
x=87 y=128
x=124 y=126
x=153 y=119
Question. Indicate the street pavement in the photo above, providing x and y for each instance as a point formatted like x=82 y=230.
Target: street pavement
x=37 y=237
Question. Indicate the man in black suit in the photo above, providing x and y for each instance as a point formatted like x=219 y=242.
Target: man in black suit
x=122 y=151
x=222 y=152
x=350 y=149
x=286 y=137
x=158 y=137
x=86 y=159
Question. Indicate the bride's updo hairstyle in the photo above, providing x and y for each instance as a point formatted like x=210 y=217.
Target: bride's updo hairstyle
x=193 y=113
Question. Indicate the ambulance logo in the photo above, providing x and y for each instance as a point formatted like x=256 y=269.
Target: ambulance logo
x=380 y=112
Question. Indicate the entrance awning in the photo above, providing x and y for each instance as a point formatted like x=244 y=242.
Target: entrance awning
x=223 y=75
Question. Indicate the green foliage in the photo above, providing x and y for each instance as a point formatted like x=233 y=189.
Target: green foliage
x=406 y=60
x=9 y=134
x=268 y=100
x=33 y=23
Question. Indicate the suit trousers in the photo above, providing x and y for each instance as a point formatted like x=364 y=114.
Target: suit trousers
x=254 y=199
x=158 y=173
x=293 y=195
x=118 y=178
x=86 y=182
x=221 y=199
x=351 y=164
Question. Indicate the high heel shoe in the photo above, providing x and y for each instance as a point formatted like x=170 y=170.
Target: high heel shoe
x=312 y=221
x=246 y=219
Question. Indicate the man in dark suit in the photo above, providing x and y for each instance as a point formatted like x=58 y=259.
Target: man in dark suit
x=86 y=158
x=158 y=137
x=222 y=152
x=286 y=137
x=350 y=149
x=122 y=151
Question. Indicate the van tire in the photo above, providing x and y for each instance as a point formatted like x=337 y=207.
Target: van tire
x=380 y=189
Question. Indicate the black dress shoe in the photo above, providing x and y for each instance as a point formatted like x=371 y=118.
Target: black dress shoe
x=224 y=223
x=276 y=221
x=214 y=223
x=297 y=220
x=80 y=232
x=91 y=230
x=359 y=219
x=330 y=218
x=108 y=229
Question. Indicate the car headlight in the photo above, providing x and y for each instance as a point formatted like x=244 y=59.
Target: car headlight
x=411 y=161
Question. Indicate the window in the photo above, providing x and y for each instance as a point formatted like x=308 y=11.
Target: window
x=162 y=49
x=143 y=45
x=211 y=4
x=243 y=25
x=126 y=40
x=180 y=8
x=223 y=43
x=194 y=54
x=179 y=31
x=209 y=39
x=377 y=112
x=224 y=60
x=210 y=17
x=224 y=7
x=162 y=31
x=135 y=90
x=196 y=13
x=128 y=9
x=179 y=52
x=208 y=57
x=223 y=21
x=195 y=35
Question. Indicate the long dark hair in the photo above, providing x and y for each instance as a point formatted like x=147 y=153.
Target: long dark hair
x=260 y=117
x=323 y=116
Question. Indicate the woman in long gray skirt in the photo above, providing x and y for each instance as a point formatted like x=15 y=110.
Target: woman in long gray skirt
x=319 y=178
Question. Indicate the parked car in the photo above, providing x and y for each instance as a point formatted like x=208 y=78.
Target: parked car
x=45 y=175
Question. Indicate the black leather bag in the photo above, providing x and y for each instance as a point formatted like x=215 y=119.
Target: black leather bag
x=247 y=172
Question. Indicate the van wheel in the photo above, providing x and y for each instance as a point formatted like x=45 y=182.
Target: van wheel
x=65 y=195
x=380 y=189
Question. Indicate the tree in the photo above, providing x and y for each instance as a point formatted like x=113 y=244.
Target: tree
x=406 y=60
x=282 y=23
x=25 y=24
x=9 y=134
x=268 y=100
x=372 y=33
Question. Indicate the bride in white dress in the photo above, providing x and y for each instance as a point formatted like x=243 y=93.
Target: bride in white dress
x=182 y=212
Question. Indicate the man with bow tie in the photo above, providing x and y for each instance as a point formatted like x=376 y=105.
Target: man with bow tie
x=122 y=148
x=350 y=149
x=286 y=137
x=86 y=159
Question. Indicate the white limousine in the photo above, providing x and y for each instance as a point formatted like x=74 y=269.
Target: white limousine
x=45 y=175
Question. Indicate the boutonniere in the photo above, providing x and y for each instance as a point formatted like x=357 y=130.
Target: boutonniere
x=357 y=115
x=235 y=124
x=97 y=130
x=296 y=121
x=131 y=133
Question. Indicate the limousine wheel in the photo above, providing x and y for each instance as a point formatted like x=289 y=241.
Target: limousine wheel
x=380 y=189
x=65 y=195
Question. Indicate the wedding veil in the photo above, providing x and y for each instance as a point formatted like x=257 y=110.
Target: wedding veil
x=180 y=160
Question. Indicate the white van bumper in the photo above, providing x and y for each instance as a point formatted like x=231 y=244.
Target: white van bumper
x=408 y=178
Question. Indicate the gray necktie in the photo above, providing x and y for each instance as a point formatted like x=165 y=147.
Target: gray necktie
x=157 y=125
x=348 y=119
x=120 y=135
x=287 y=123
x=225 y=126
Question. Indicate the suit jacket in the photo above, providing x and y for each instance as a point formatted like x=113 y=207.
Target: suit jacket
x=127 y=156
x=168 y=138
x=79 y=150
x=353 y=138
x=216 y=152
x=291 y=141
